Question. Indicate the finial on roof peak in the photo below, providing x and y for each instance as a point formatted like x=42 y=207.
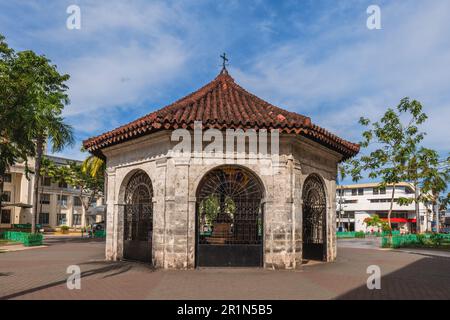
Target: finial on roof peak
x=224 y=63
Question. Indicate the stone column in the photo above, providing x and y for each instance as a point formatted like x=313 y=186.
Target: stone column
x=330 y=188
x=297 y=211
x=159 y=214
x=279 y=236
x=110 y=253
x=177 y=215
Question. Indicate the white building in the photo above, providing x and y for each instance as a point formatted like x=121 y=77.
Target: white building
x=59 y=203
x=360 y=201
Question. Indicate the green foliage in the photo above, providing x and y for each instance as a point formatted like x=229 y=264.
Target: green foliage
x=421 y=239
x=437 y=239
x=375 y=221
x=28 y=239
x=390 y=143
x=32 y=98
x=15 y=99
x=210 y=206
x=76 y=175
x=64 y=228
x=360 y=234
x=417 y=240
x=94 y=166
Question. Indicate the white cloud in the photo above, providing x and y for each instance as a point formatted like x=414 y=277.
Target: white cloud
x=408 y=57
x=334 y=70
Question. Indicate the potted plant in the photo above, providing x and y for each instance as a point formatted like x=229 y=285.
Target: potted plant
x=64 y=229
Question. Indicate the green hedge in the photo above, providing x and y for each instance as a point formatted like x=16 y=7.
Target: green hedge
x=100 y=234
x=350 y=234
x=416 y=240
x=28 y=239
x=25 y=226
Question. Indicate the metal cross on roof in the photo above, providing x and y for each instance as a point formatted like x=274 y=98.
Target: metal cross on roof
x=225 y=60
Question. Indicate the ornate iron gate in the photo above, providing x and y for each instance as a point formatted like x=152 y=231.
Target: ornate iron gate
x=314 y=219
x=229 y=219
x=138 y=218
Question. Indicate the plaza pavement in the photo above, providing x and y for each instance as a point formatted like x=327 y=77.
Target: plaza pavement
x=41 y=274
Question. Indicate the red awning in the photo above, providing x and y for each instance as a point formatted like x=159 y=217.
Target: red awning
x=400 y=220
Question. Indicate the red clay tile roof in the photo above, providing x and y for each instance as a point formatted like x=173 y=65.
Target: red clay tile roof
x=222 y=104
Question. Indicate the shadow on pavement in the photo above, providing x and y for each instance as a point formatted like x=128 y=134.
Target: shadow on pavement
x=55 y=240
x=427 y=278
x=105 y=267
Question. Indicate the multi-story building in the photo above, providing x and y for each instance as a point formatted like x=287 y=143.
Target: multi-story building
x=357 y=202
x=59 y=203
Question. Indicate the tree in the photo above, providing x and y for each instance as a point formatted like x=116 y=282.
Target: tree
x=428 y=174
x=90 y=187
x=15 y=97
x=436 y=176
x=375 y=221
x=48 y=169
x=392 y=141
x=48 y=100
x=58 y=174
x=94 y=166
x=32 y=97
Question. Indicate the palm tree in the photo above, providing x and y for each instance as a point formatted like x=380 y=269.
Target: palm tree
x=47 y=100
x=94 y=165
x=60 y=135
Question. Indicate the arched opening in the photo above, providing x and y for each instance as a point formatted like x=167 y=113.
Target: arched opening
x=229 y=218
x=138 y=218
x=314 y=219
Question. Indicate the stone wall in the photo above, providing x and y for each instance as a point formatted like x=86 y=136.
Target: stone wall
x=175 y=182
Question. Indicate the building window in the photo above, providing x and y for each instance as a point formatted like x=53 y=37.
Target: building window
x=6 y=196
x=354 y=192
x=76 y=220
x=61 y=219
x=44 y=218
x=6 y=217
x=375 y=191
x=348 y=214
x=7 y=177
x=62 y=200
x=62 y=185
x=46 y=181
x=382 y=200
x=360 y=191
x=382 y=190
x=45 y=198
x=77 y=202
x=408 y=190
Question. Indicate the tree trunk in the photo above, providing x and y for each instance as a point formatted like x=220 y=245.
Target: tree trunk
x=390 y=209
x=340 y=209
x=1 y=194
x=83 y=216
x=84 y=209
x=436 y=206
x=416 y=202
x=37 y=177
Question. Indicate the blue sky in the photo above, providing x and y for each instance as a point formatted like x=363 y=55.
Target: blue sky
x=314 y=57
